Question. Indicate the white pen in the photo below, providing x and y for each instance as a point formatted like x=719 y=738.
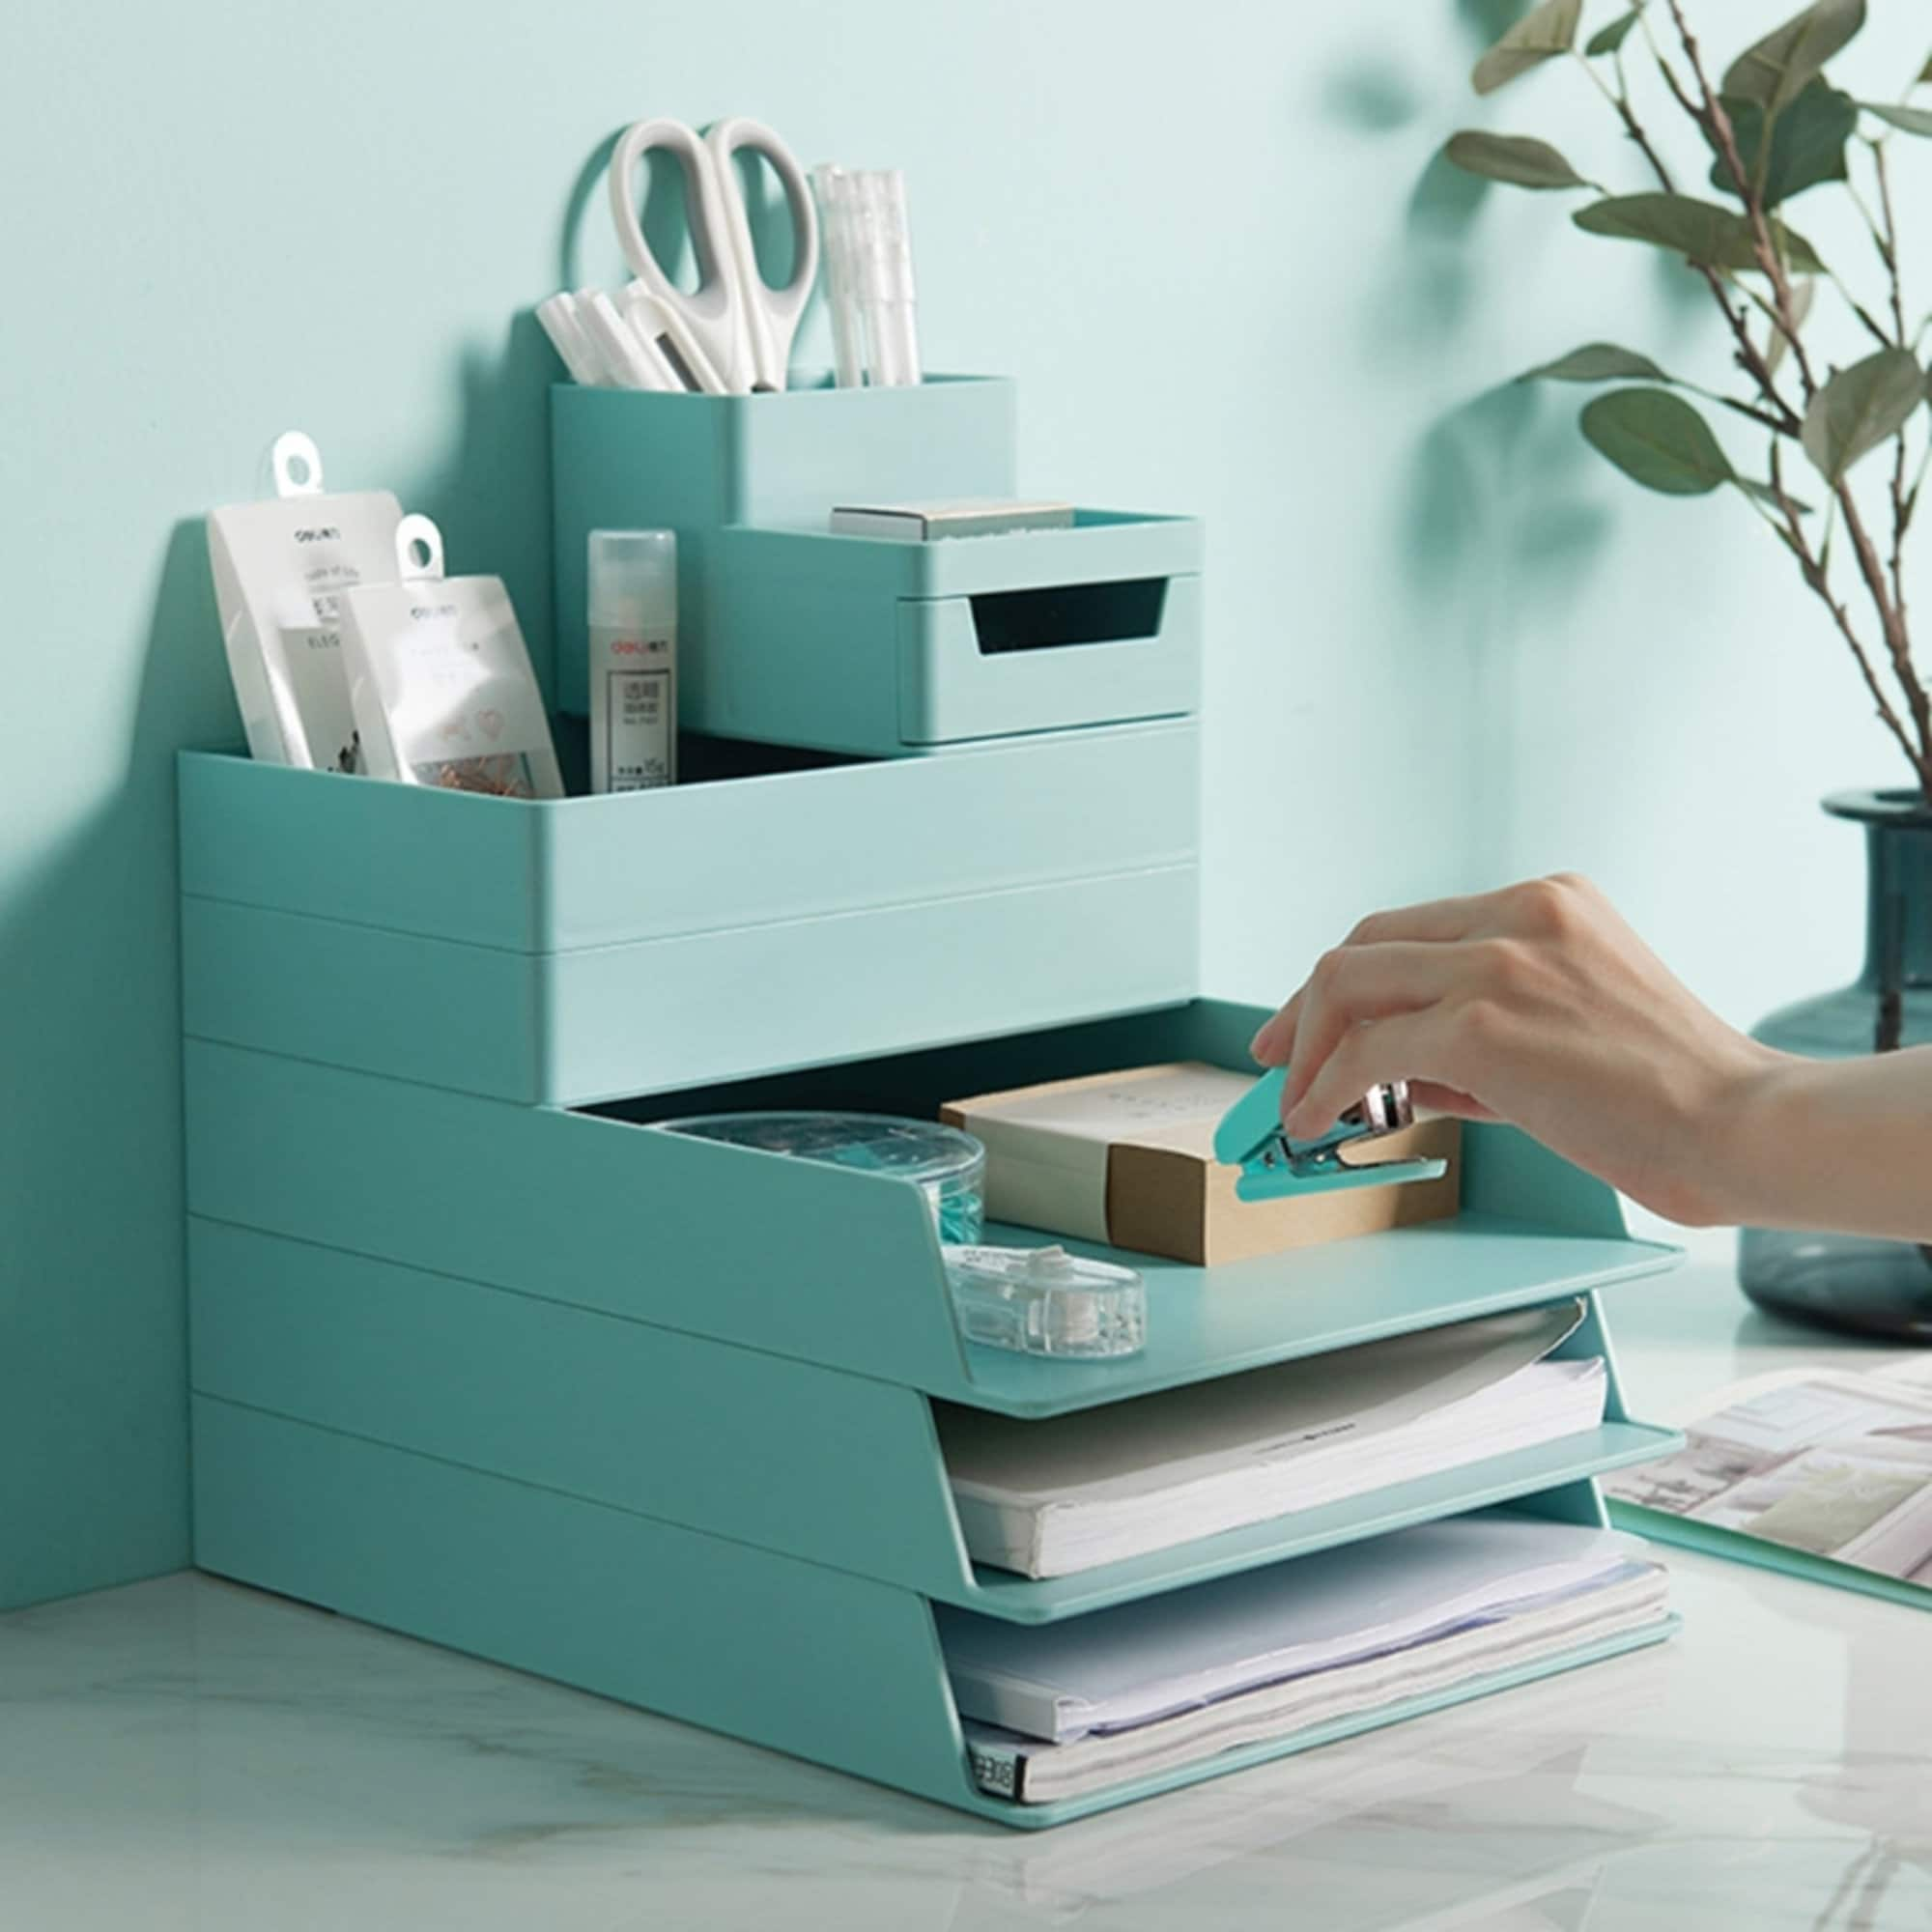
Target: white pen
x=578 y=353
x=633 y=364
x=893 y=289
x=833 y=186
x=667 y=338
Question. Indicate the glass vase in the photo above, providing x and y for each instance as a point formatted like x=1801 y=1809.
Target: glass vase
x=1840 y=1281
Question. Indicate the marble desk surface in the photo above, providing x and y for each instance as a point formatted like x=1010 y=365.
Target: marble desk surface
x=183 y=1754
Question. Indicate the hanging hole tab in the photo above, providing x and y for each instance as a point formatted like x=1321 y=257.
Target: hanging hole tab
x=297 y=463
x=418 y=547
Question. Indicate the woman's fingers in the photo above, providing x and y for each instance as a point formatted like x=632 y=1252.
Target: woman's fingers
x=1272 y=1044
x=1514 y=909
x=1355 y=984
x=1433 y=1048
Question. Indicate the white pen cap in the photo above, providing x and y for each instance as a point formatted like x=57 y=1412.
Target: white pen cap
x=633 y=579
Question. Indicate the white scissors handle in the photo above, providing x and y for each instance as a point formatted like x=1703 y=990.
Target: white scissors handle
x=743 y=326
x=771 y=315
x=712 y=309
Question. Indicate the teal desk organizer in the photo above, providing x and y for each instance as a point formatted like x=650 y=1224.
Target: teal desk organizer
x=479 y=1355
x=790 y=635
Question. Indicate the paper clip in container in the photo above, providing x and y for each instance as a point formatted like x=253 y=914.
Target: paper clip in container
x=949 y=1168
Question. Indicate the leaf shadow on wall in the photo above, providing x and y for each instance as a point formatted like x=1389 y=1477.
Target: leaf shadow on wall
x=91 y=1290
x=490 y=495
x=1499 y=539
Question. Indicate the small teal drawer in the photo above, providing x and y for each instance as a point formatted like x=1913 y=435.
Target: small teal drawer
x=592 y=948
x=626 y=460
x=879 y=648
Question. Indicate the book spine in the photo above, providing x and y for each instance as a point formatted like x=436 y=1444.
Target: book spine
x=998 y=1769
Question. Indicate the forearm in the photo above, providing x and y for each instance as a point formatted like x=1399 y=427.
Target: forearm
x=1842 y=1147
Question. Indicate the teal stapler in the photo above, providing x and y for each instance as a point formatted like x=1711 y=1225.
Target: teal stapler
x=1272 y=1164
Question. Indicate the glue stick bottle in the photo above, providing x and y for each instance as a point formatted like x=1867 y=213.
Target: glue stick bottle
x=632 y=608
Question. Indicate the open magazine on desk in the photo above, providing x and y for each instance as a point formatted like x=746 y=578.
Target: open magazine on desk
x=1821 y=1473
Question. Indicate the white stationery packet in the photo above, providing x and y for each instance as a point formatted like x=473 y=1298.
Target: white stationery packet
x=439 y=678
x=280 y=568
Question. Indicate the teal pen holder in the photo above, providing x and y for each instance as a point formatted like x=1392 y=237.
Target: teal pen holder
x=866 y=646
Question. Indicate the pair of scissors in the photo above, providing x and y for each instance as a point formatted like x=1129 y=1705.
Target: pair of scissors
x=742 y=326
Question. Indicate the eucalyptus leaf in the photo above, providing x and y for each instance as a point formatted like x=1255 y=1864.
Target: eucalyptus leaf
x=1914 y=119
x=1607 y=40
x=1808 y=142
x=1779 y=68
x=1924 y=73
x=1657 y=439
x=1517 y=158
x=1597 y=362
x=1860 y=408
x=1545 y=31
x=1713 y=236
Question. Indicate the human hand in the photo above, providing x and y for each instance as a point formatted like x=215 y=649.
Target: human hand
x=1538 y=1006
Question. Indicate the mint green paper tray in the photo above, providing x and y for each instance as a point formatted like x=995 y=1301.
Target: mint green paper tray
x=1735 y=1546
x=841 y=1671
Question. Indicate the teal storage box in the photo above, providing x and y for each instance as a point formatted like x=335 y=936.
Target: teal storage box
x=630 y=460
x=866 y=646
x=585 y=948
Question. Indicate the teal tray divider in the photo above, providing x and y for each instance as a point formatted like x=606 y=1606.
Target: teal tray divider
x=816 y=1462
x=836 y=1267
x=717 y=1633
x=630 y=944
x=655 y=1227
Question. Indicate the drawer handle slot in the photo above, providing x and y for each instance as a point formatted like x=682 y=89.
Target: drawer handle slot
x=1060 y=614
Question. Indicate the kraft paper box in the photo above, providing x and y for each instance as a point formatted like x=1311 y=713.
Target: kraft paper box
x=1127 y=1159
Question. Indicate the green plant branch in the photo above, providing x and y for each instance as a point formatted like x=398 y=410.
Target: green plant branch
x=1712 y=118
x=1889 y=240
x=1742 y=408
x=1816 y=576
x=1749 y=357
x=1918 y=481
x=1901 y=505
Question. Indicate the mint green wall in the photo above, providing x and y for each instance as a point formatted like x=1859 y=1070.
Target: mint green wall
x=1206 y=243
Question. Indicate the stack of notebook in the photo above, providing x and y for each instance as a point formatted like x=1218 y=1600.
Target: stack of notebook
x=1051 y=1498
x=1059 y=1710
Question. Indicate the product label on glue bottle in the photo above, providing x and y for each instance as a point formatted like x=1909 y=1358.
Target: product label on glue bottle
x=639 y=722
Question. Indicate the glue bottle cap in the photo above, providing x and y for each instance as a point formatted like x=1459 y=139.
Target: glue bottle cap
x=633 y=582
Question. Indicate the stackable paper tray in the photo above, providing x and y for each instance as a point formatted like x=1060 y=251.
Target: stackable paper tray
x=654 y=1415
x=591 y=947
x=1735 y=1545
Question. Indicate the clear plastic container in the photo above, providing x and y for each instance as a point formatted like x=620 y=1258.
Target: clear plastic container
x=1043 y=1301
x=947 y=1166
